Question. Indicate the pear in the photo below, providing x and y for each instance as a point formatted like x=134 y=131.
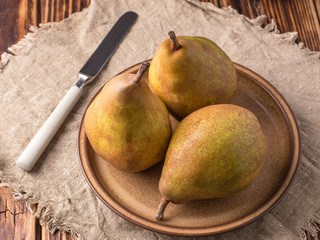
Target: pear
x=215 y=152
x=189 y=73
x=127 y=125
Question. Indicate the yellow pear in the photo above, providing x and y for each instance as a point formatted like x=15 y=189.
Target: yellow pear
x=215 y=152
x=189 y=73
x=127 y=125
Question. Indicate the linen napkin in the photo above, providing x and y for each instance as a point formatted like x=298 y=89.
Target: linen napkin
x=39 y=70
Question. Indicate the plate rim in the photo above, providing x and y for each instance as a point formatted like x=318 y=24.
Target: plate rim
x=163 y=228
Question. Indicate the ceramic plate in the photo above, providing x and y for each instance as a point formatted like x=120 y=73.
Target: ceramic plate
x=136 y=196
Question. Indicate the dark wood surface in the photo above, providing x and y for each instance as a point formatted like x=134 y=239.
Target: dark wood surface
x=302 y=16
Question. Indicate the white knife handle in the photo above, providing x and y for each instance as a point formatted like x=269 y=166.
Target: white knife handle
x=40 y=141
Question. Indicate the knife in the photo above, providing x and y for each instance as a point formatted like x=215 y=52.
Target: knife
x=88 y=72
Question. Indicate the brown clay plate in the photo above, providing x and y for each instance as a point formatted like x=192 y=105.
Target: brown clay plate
x=136 y=196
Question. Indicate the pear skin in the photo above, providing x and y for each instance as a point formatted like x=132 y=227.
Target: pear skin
x=127 y=125
x=215 y=152
x=189 y=73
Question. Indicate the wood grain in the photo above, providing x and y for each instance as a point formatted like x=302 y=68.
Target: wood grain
x=315 y=10
x=302 y=16
x=16 y=222
x=16 y=16
x=57 y=10
x=46 y=235
x=9 y=32
x=316 y=4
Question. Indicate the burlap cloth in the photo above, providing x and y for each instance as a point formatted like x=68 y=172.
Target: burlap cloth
x=46 y=64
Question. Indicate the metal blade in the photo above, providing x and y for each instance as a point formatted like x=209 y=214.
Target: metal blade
x=108 y=45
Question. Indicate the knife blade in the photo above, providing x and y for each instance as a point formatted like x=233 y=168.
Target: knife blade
x=88 y=72
x=108 y=45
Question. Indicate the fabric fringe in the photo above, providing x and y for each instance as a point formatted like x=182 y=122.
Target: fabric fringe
x=313 y=226
x=43 y=210
x=24 y=45
x=288 y=37
x=3 y=185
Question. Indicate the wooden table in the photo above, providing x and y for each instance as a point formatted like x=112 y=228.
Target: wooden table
x=302 y=16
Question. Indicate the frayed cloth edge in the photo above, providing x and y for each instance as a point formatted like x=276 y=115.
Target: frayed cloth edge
x=288 y=37
x=44 y=211
x=24 y=45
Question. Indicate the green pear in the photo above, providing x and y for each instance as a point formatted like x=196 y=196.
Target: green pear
x=127 y=125
x=189 y=73
x=215 y=152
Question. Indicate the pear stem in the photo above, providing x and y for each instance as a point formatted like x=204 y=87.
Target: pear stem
x=144 y=66
x=175 y=45
x=162 y=206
